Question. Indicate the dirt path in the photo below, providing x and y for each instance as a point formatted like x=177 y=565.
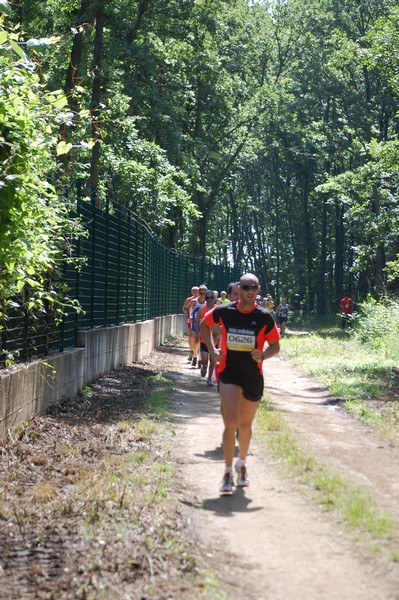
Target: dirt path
x=267 y=542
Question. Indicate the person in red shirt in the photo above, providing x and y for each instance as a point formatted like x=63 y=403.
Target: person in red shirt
x=246 y=328
x=346 y=305
x=216 y=331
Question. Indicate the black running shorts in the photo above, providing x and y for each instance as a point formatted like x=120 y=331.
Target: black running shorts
x=252 y=387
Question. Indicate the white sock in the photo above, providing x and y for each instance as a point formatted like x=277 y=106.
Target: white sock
x=241 y=462
x=228 y=470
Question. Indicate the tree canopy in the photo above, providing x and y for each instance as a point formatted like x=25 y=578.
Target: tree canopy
x=262 y=133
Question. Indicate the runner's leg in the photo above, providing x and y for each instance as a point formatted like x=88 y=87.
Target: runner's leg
x=210 y=370
x=246 y=414
x=196 y=347
x=204 y=362
x=230 y=397
x=191 y=340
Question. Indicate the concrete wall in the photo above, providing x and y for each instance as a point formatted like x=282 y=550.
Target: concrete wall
x=29 y=389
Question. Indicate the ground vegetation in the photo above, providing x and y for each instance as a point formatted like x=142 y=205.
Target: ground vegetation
x=358 y=363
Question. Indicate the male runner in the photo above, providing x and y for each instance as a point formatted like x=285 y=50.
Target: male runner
x=215 y=331
x=193 y=307
x=185 y=310
x=245 y=329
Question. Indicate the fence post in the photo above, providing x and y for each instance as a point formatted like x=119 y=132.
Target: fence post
x=136 y=266
x=106 y=284
x=118 y=283
x=25 y=354
x=93 y=255
x=129 y=221
x=78 y=250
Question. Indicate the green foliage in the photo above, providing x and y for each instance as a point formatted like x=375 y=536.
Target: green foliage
x=377 y=326
x=392 y=269
x=360 y=367
x=139 y=173
x=263 y=134
x=370 y=194
x=34 y=221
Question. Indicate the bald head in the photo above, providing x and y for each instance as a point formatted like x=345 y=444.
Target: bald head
x=248 y=278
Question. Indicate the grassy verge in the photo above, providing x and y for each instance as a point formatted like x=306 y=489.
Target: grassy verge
x=365 y=380
x=351 y=503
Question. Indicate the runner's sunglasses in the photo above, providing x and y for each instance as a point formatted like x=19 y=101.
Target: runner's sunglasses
x=249 y=286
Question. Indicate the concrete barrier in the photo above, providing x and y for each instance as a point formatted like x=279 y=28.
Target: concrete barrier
x=29 y=389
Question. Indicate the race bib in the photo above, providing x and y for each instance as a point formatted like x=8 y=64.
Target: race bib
x=241 y=340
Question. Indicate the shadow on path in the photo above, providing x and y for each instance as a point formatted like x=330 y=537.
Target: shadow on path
x=226 y=506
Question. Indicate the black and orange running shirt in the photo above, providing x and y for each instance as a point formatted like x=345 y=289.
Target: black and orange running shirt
x=241 y=333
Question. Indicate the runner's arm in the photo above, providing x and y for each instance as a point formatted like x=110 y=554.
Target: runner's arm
x=208 y=339
x=190 y=307
x=272 y=349
x=197 y=323
x=185 y=305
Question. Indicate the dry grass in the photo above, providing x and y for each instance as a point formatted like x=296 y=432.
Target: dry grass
x=88 y=504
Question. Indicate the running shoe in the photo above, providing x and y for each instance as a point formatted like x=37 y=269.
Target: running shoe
x=203 y=371
x=226 y=485
x=209 y=382
x=242 y=476
x=194 y=361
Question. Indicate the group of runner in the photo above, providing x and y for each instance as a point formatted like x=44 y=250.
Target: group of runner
x=195 y=306
x=234 y=337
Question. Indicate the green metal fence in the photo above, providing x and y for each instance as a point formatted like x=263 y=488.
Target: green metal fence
x=127 y=276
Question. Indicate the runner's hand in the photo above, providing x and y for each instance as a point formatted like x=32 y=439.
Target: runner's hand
x=217 y=355
x=256 y=355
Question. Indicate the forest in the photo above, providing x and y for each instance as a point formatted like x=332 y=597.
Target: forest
x=263 y=134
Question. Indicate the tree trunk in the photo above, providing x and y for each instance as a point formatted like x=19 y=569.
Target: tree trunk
x=261 y=258
x=339 y=252
x=77 y=50
x=236 y=229
x=203 y=227
x=72 y=75
x=380 y=278
x=321 y=292
x=308 y=243
x=141 y=10
x=96 y=98
x=277 y=227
